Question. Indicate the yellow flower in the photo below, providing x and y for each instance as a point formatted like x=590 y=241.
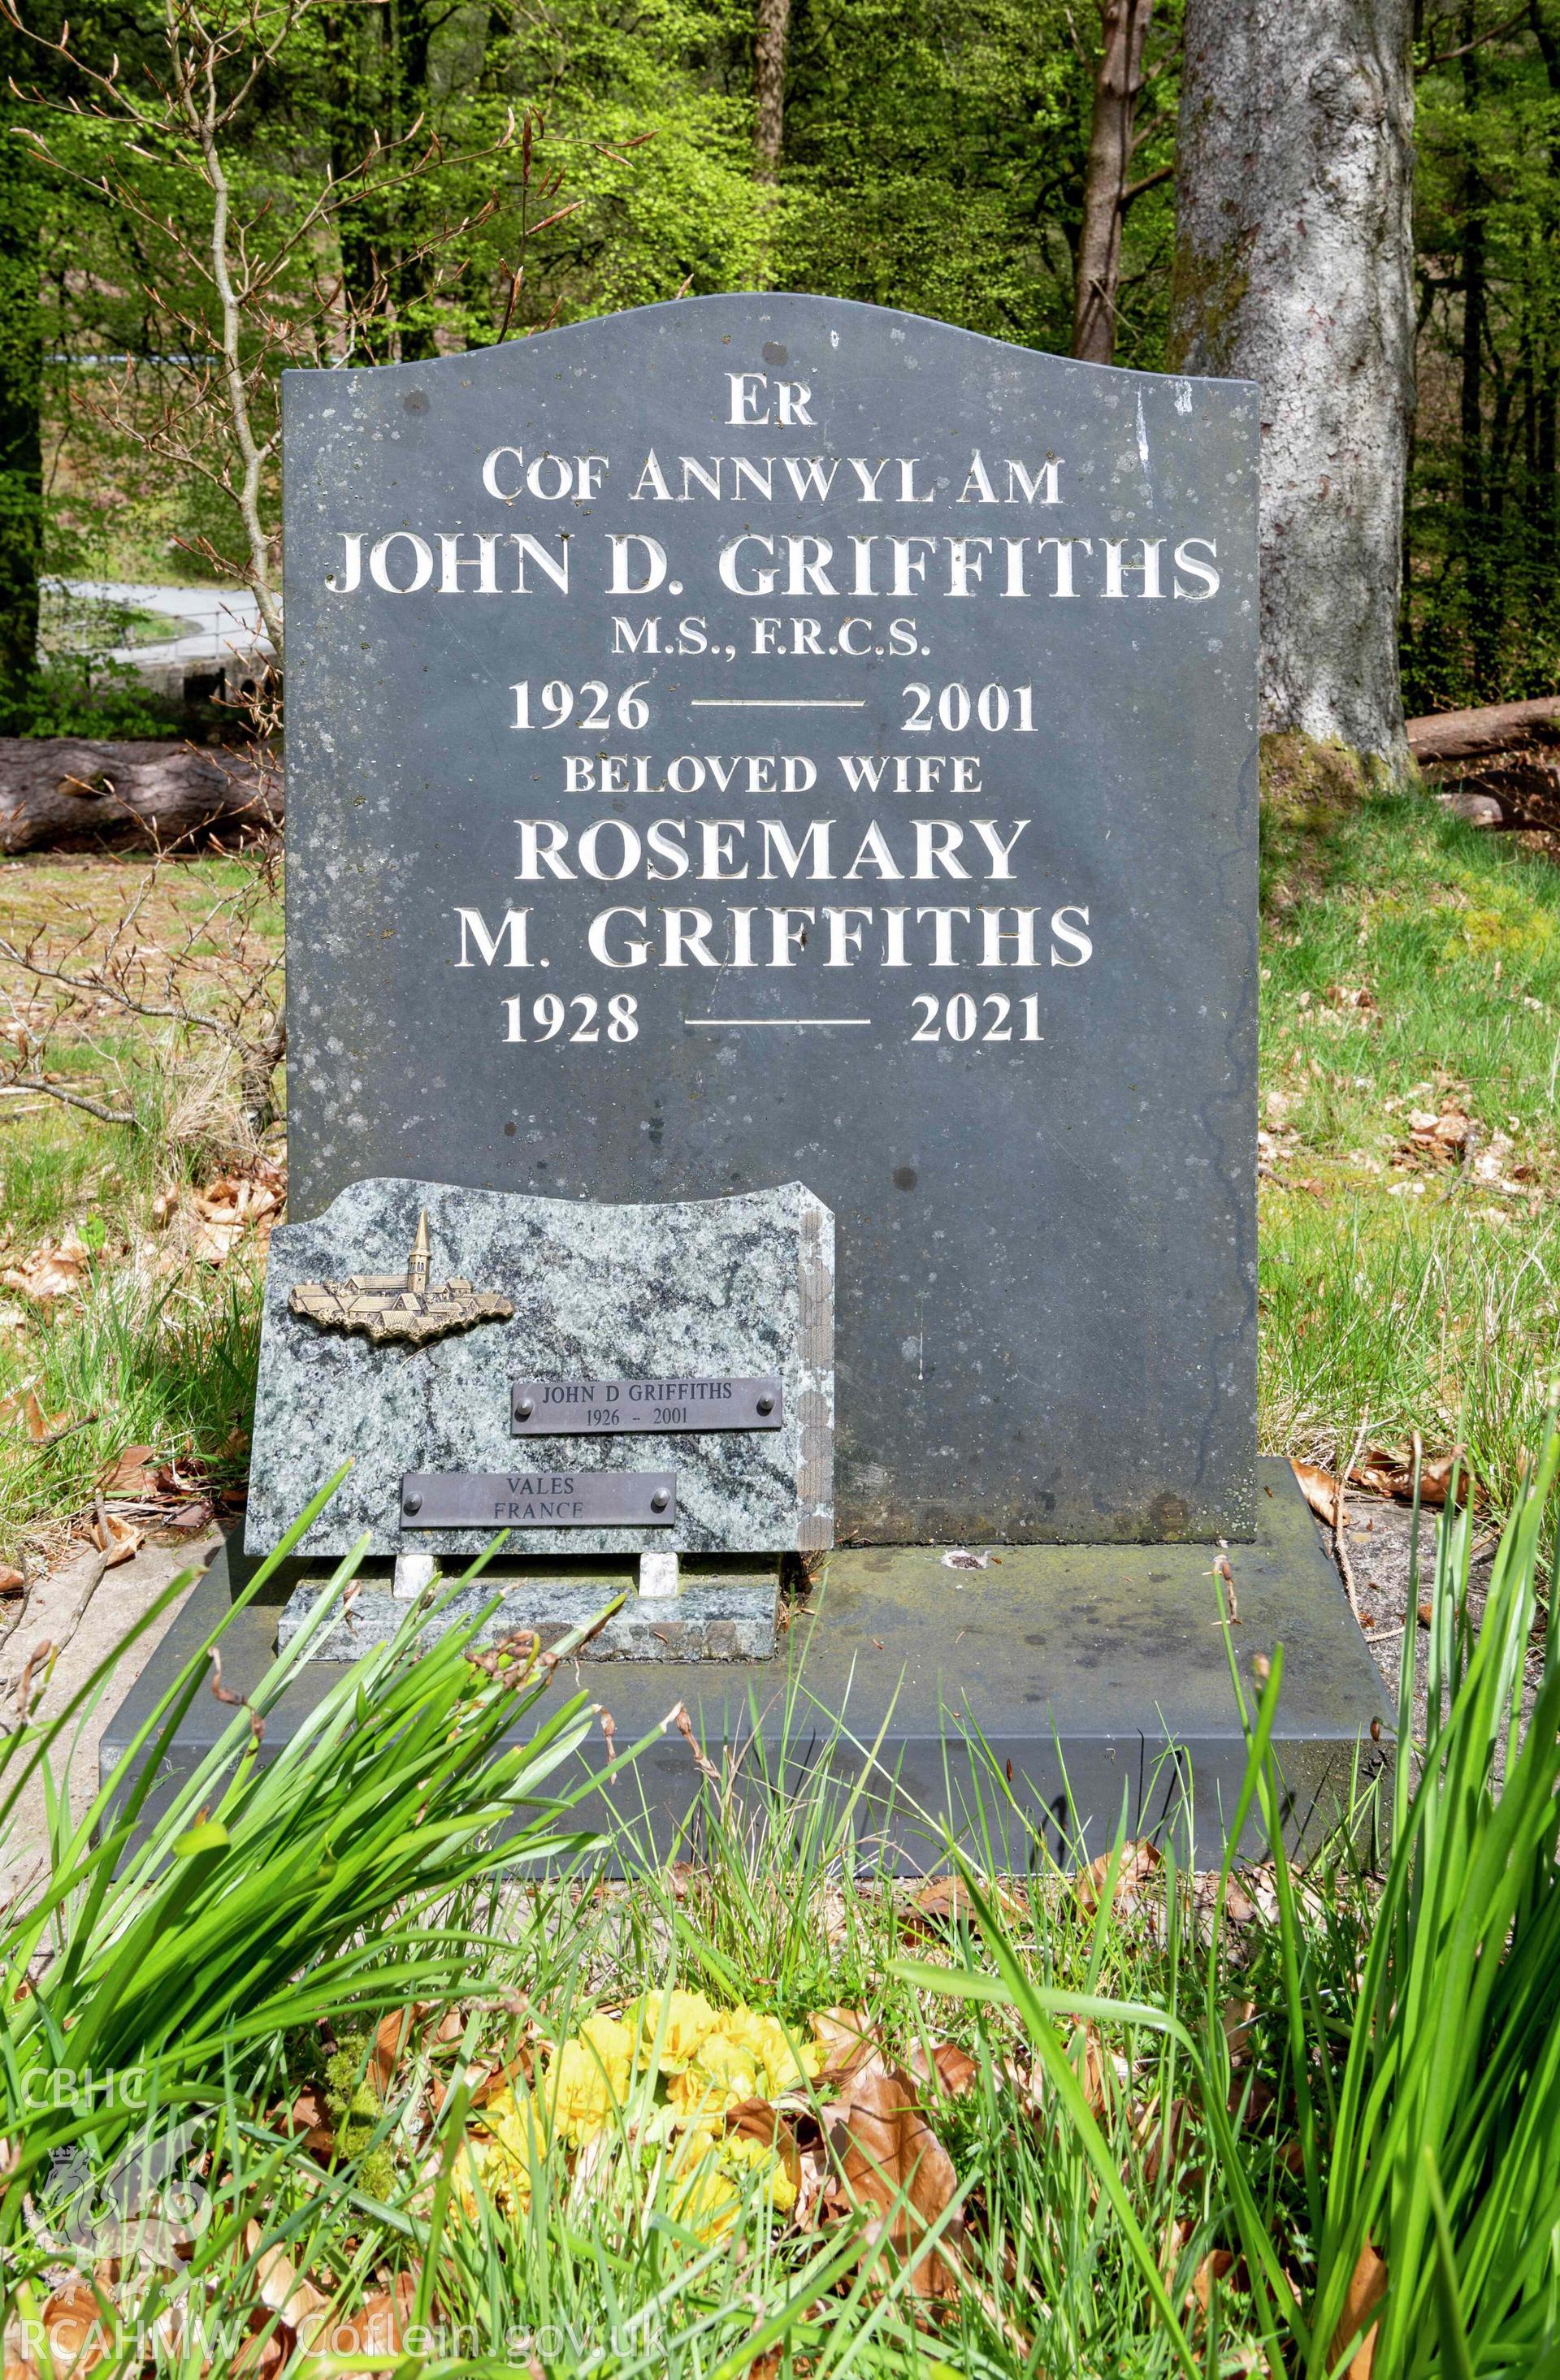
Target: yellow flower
x=721 y=2076
x=613 y=2043
x=497 y=2163
x=703 y=2198
x=780 y=2064
x=740 y=2150
x=588 y=2078
x=688 y=2019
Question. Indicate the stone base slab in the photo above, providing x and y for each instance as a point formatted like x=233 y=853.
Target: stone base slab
x=719 y=1612
x=1024 y=1710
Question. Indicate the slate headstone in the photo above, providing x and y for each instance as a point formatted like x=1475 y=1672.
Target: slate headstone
x=764 y=737
x=740 y=1285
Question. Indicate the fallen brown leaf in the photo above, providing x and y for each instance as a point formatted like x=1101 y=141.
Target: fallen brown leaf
x=1162 y=2139
x=212 y=1243
x=391 y=2036
x=310 y=2116
x=40 y=1426
x=133 y=1473
x=280 y=2287
x=1386 y=1473
x=12 y=1581
x=1238 y=2016
x=1240 y=1908
x=1140 y=1862
x=846 y=2039
x=224 y=1210
x=890 y=2157
x=1367 y=2288
x=379 y=2325
x=945 y=1901
x=756 y=2119
x=486 y=2082
x=265 y=2350
x=56 y=1268
x=77 y=2334
x=953 y=2068
x=1213 y=2267
x=116 y=1539
x=1095 y=2063
x=1319 y=1489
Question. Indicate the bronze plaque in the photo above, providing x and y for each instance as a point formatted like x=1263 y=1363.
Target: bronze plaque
x=588 y=1408
x=537 y=1500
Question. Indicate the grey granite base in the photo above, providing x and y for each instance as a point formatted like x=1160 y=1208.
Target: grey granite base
x=1023 y=1710
x=739 y=1286
x=718 y=1613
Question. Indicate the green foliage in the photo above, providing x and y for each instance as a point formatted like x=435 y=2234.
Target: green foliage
x=263 y=1895
x=356 y=2114
x=1481 y=615
x=935 y=161
x=1178 y=2125
x=23 y=206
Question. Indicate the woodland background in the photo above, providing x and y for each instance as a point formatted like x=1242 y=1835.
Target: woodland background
x=931 y=154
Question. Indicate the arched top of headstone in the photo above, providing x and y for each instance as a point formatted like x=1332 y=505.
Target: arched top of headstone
x=773 y=331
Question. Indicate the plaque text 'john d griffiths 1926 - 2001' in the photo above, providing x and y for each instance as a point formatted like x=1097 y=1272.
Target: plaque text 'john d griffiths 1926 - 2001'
x=771 y=738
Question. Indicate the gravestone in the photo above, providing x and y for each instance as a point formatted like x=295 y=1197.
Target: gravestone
x=761 y=738
x=766 y=740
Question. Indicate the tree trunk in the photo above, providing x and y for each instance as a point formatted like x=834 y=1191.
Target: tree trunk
x=411 y=45
x=1474 y=734
x=68 y=793
x=350 y=106
x=1479 y=529
x=1293 y=268
x=21 y=375
x=1124 y=31
x=768 y=85
x=1545 y=507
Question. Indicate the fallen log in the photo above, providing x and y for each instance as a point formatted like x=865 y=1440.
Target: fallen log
x=1469 y=734
x=68 y=793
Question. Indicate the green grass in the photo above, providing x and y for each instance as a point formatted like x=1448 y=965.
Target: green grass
x=156 y=1351
x=140 y=1356
x=1410 y=1293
